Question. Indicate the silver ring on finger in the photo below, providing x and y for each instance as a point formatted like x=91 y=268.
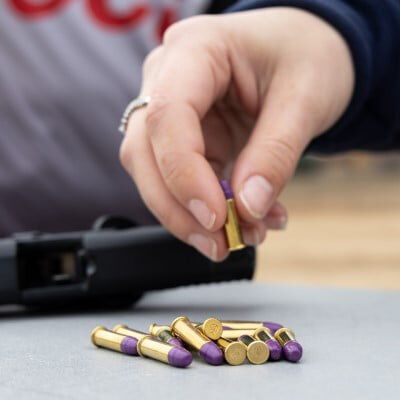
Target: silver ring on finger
x=134 y=105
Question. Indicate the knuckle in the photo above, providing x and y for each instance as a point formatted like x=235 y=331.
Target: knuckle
x=175 y=32
x=284 y=157
x=173 y=169
x=183 y=29
x=154 y=111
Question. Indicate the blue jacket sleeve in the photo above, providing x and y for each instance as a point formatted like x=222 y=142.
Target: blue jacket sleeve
x=372 y=31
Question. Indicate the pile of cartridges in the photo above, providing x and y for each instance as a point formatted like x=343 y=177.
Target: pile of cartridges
x=214 y=340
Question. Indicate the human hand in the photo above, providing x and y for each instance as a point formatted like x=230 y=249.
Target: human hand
x=239 y=95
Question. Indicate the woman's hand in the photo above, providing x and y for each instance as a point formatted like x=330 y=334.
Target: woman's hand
x=241 y=96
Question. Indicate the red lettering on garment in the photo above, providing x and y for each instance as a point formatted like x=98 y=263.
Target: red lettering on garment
x=168 y=17
x=103 y=13
x=31 y=9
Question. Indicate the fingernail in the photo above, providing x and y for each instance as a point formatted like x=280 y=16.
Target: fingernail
x=202 y=213
x=251 y=237
x=204 y=245
x=278 y=223
x=256 y=196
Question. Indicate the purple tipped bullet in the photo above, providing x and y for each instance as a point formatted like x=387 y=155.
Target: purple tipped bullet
x=275 y=350
x=129 y=346
x=292 y=351
x=149 y=346
x=102 y=337
x=265 y=335
x=226 y=187
x=212 y=354
x=179 y=357
x=233 y=233
x=208 y=350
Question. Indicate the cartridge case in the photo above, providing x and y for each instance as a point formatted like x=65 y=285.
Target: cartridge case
x=155 y=349
x=208 y=350
x=235 y=353
x=102 y=337
x=292 y=350
x=251 y=325
x=211 y=327
x=266 y=336
x=164 y=333
x=257 y=351
x=184 y=329
x=126 y=331
x=284 y=335
x=232 y=228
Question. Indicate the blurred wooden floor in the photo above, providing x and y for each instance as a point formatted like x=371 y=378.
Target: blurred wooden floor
x=343 y=231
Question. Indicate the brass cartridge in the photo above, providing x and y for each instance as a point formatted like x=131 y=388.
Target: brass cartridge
x=232 y=227
x=150 y=347
x=126 y=331
x=257 y=351
x=263 y=334
x=183 y=328
x=102 y=337
x=234 y=352
x=208 y=350
x=164 y=333
x=211 y=327
x=153 y=348
x=284 y=335
x=154 y=329
x=292 y=349
x=266 y=336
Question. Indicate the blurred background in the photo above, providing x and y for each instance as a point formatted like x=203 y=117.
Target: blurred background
x=344 y=225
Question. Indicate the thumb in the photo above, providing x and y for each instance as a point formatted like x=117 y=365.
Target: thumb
x=270 y=157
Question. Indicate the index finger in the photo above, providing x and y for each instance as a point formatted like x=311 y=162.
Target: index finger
x=186 y=86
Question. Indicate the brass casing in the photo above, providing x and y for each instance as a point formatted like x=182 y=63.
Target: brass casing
x=264 y=334
x=284 y=335
x=163 y=332
x=232 y=227
x=155 y=328
x=102 y=337
x=126 y=331
x=150 y=347
x=242 y=324
x=183 y=328
x=234 y=334
x=211 y=327
x=257 y=351
x=235 y=352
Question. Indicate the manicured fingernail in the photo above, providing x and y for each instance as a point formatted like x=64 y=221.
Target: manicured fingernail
x=251 y=237
x=204 y=245
x=278 y=223
x=256 y=196
x=202 y=213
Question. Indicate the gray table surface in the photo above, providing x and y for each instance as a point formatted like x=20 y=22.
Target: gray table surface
x=350 y=339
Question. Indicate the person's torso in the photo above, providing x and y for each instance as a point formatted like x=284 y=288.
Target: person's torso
x=67 y=70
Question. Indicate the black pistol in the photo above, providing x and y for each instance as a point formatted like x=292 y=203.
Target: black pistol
x=112 y=264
